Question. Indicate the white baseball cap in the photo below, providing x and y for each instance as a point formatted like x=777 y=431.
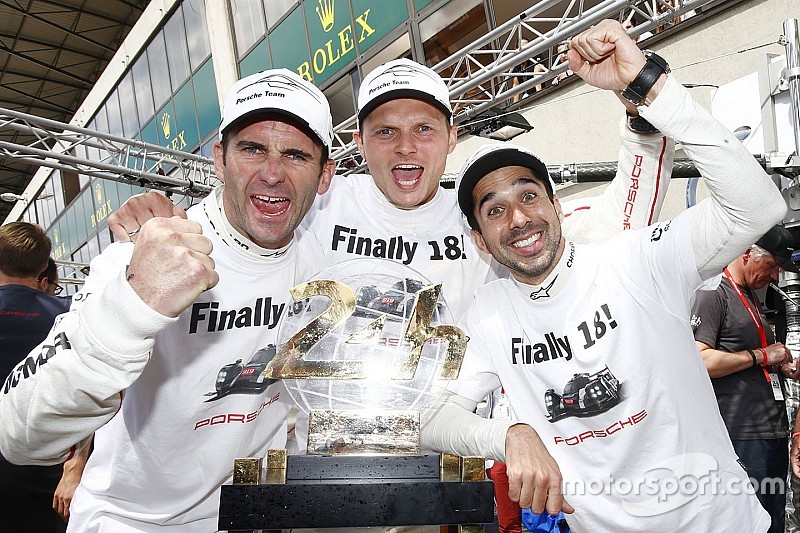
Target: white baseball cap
x=402 y=78
x=279 y=91
x=490 y=158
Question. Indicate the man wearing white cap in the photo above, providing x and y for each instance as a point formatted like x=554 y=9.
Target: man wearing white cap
x=172 y=324
x=592 y=342
x=400 y=213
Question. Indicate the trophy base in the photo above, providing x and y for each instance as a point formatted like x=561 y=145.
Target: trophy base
x=359 y=491
x=363 y=432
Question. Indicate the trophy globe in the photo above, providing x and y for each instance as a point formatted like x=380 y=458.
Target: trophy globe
x=366 y=339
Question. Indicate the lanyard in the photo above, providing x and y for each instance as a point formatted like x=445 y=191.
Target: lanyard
x=756 y=318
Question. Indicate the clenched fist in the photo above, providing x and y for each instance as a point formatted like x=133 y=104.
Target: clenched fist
x=171 y=265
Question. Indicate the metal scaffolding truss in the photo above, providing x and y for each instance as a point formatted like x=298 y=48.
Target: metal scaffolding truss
x=72 y=149
x=479 y=78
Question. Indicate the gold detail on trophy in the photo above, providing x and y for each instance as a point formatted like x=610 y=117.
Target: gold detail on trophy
x=325 y=13
x=449 y=467
x=247 y=471
x=363 y=432
x=420 y=331
x=290 y=362
x=276 y=467
x=473 y=469
x=369 y=334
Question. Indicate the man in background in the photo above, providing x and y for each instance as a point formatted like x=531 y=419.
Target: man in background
x=746 y=365
x=27 y=312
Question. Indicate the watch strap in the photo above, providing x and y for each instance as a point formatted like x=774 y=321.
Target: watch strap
x=653 y=68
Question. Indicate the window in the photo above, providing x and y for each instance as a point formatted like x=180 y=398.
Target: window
x=143 y=90
x=177 y=51
x=159 y=70
x=340 y=96
x=452 y=27
x=276 y=9
x=194 y=14
x=248 y=24
x=113 y=114
x=127 y=105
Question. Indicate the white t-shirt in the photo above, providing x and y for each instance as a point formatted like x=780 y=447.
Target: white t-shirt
x=353 y=219
x=160 y=461
x=603 y=365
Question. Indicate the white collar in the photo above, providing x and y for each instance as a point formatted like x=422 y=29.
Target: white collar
x=554 y=283
x=215 y=211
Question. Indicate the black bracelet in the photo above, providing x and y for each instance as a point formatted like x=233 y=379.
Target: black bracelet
x=755 y=361
x=653 y=68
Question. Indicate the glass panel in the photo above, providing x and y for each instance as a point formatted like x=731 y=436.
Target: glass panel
x=256 y=61
x=332 y=37
x=105 y=238
x=92 y=247
x=177 y=51
x=197 y=31
x=508 y=9
x=375 y=19
x=101 y=120
x=419 y=4
x=207 y=100
x=287 y=43
x=450 y=29
x=58 y=189
x=130 y=120
x=159 y=70
x=248 y=23
x=143 y=88
x=114 y=118
x=59 y=247
x=165 y=124
x=87 y=208
x=276 y=9
x=208 y=148
x=186 y=137
x=340 y=96
x=400 y=48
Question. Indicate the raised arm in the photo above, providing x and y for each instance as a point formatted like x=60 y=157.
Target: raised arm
x=74 y=382
x=744 y=202
x=634 y=197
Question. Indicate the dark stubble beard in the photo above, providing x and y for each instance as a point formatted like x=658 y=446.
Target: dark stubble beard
x=535 y=267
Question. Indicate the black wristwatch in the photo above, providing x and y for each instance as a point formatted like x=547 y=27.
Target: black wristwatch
x=640 y=125
x=653 y=68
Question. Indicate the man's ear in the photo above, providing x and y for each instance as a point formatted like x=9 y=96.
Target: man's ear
x=42 y=284
x=479 y=242
x=328 y=171
x=359 y=143
x=747 y=256
x=219 y=166
x=557 y=205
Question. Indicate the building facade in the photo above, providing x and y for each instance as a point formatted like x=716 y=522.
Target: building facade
x=165 y=83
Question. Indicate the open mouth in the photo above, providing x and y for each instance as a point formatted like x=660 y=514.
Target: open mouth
x=270 y=205
x=407 y=175
x=533 y=239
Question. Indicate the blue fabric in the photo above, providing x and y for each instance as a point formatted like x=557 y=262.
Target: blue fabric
x=545 y=522
x=768 y=460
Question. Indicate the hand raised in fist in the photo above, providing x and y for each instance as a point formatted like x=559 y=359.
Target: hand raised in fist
x=171 y=265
